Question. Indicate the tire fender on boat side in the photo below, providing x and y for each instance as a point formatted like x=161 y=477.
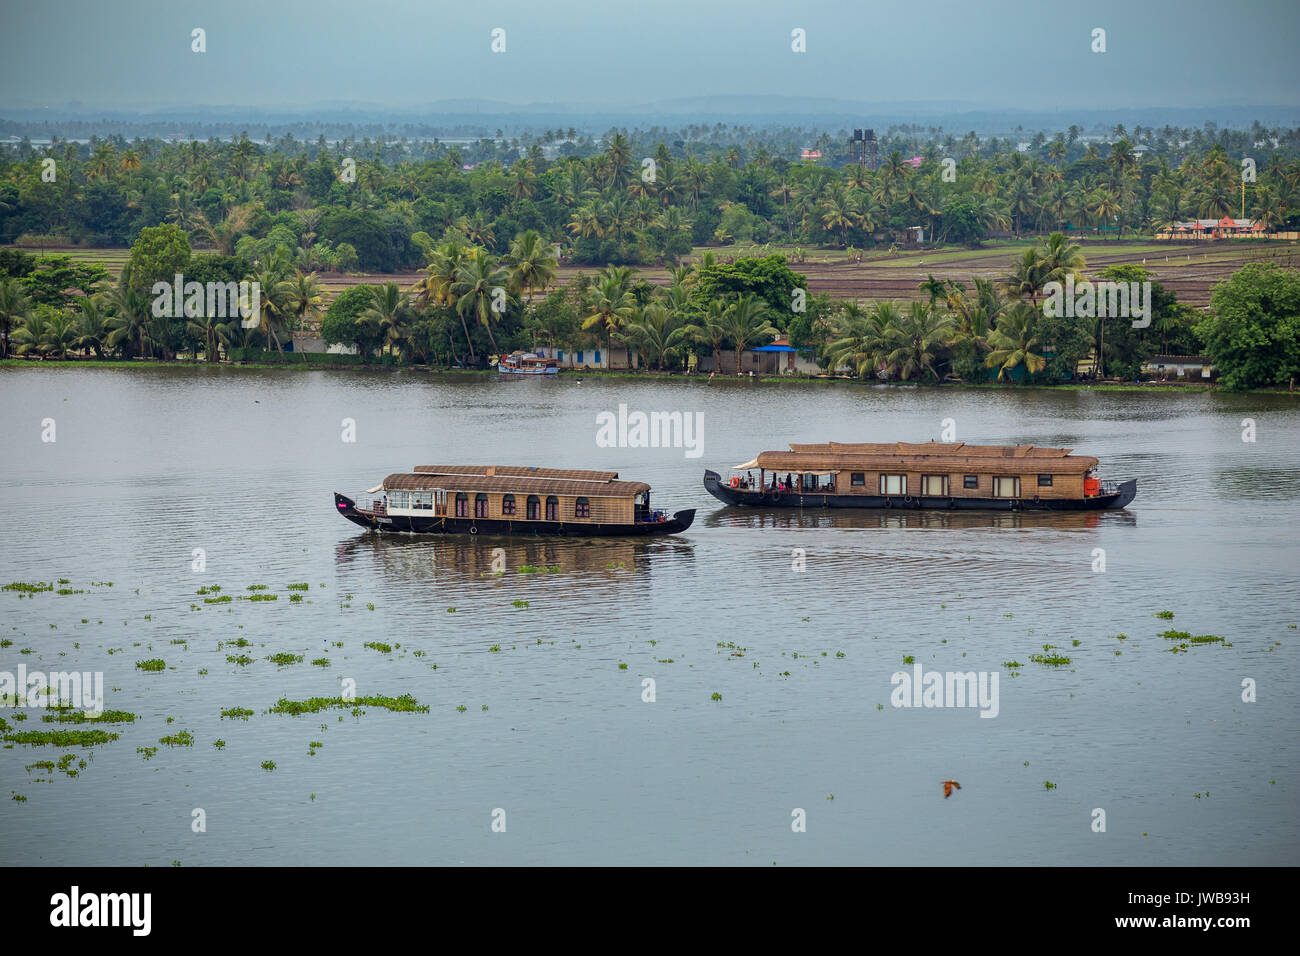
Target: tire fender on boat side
x=473 y=529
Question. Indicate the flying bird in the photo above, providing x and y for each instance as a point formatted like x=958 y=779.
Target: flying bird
x=949 y=786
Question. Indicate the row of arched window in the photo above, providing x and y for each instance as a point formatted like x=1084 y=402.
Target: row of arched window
x=509 y=507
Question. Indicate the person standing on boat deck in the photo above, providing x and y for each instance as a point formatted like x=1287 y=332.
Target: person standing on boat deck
x=788 y=479
x=749 y=479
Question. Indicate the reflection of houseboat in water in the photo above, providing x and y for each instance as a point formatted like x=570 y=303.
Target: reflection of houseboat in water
x=418 y=559
x=510 y=499
x=946 y=476
x=527 y=363
x=904 y=520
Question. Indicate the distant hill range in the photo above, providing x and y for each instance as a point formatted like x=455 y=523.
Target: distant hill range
x=483 y=117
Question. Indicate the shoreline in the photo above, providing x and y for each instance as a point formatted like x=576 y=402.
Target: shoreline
x=640 y=376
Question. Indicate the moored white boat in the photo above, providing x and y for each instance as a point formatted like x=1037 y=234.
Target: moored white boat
x=527 y=363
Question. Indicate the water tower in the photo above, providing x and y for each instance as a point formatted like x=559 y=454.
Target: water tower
x=862 y=148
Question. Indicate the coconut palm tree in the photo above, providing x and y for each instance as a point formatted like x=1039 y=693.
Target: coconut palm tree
x=524 y=179
x=14 y=311
x=785 y=190
x=861 y=338
x=1105 y=206
x=274 y=290
x=1027 y=277
x=746 y=324
x=1061 y=258
x=656 y=331
x=101 y=163
x=30 y=337
x=128 y=325
x=708 y=329
x=1015 y=342
x=60 y=336
x=1020 y=201
x=840 y=213
x=389 y=313
x=479 y=289
x=206 y=327
x=935 y=289
x=611 y=305
x=532 y=263
x=618 y=154
x=480 y=230
x=303 y=298
x=918 y=339
x=438 y=287
x=89 y=325
x=695 y=176
x=976 y=317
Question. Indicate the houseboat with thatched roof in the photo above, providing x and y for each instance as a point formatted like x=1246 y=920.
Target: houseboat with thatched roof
x=510 y=499
x=934 y=475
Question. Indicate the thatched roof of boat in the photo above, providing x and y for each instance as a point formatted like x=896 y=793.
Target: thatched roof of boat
x=941 y=456
x=513 y=484
x=521 y=471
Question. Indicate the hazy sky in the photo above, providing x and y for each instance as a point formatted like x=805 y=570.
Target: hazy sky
x=981 y=53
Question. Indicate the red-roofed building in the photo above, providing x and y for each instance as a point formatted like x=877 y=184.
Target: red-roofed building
x=1225 y=228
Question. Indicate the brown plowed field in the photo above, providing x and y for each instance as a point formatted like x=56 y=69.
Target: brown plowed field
x=1189 y=269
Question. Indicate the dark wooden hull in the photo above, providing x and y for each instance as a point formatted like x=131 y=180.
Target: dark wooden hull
x=409 y=524
x=766 y=498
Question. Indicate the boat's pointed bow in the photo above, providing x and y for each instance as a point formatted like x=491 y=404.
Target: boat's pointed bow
x=683 y=519
x=1127 y=492
x=714 y=486
x=347 y=508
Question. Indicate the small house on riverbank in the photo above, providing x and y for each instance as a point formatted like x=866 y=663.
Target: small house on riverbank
x=1179 y=366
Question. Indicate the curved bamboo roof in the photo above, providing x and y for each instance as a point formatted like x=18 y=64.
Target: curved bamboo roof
x=939 y=456
x=513 y=484
x=519 y=471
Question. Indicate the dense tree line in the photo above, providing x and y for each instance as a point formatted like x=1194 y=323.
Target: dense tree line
x=470 y=304
x=630 y=199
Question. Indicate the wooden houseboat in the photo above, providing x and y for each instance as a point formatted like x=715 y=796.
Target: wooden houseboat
x=509 y=499
x=527 y=363
x=931 y=475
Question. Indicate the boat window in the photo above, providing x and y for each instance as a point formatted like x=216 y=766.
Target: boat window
x=399 y=499
x=582 y=508
x=552 y=508
x=970 y=481
x=858 y=478
x=462 y=505
x=422 y=500
x=508 y=504
x=1006 y=487
x=893 y=484
x=934 y=485
x=1044 y=481
x=534 y=508
x=480 y=506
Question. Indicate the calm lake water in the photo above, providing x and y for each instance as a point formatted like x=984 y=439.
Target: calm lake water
x=150 y=464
